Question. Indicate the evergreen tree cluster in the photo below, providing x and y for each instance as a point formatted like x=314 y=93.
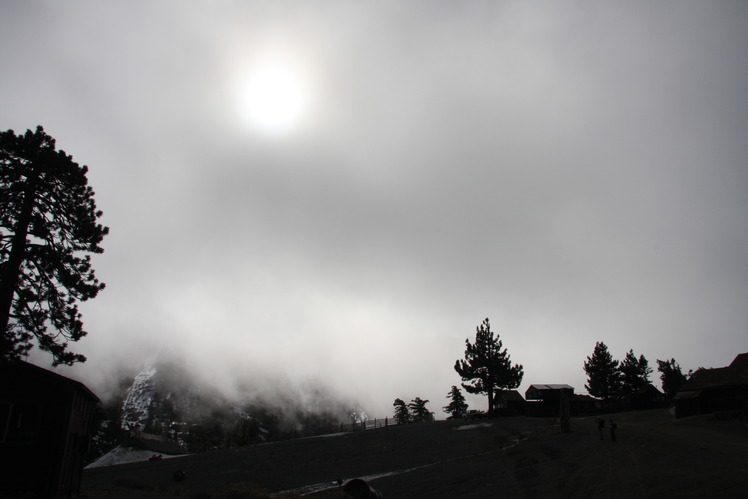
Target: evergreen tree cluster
x=610 y=379
x=414 y=412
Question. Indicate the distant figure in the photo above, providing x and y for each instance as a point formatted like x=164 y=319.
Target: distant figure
x=613 y=427
x=178 y=475
x=600 y=426
x=361 y=490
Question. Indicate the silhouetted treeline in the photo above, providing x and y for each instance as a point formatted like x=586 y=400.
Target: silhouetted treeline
x=613 y=380
x=414 y=412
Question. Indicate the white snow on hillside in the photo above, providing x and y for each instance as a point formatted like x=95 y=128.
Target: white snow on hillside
x=122 y=455
x=137 y=404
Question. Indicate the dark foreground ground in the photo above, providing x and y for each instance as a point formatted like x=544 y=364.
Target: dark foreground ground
x=655 y=456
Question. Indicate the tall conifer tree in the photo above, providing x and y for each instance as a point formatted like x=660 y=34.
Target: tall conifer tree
x=486 y=366
x=671 y=376
x=402 y=415
x=634 y=373
x=48 y=229
x=457 y=406
x=603 y=376
x=418 y=410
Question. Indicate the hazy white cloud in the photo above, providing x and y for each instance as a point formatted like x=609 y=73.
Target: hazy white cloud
x=575 y=172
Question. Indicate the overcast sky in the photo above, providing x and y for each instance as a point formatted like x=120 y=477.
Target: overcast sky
x=575 y=171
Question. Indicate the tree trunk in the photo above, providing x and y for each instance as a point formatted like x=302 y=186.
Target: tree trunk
x=17 y=256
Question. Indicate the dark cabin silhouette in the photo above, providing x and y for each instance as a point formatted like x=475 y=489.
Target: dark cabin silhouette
x=584 y=405
x=509 y=403
x=545 y=400
x=46 y=421
x=712 y=390
x=647 y=397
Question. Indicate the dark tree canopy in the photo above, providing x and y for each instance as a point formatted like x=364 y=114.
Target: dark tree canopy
x=402 y=415
x=603 y=376
x=457 y=406
x=671 y=376
x=418 y=411
x=486 y=367
x=634 y=373
x=48 y=229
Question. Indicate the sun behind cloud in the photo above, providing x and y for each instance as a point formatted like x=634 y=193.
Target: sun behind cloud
x=273 y=98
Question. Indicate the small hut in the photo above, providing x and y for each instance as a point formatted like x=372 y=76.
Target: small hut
x=648 y=397
x=46 y=421
x=584 y=405
x=545 y=400
x=509 y=403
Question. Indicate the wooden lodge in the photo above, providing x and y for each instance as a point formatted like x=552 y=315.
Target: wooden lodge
x=46 y=421
x=712 y=390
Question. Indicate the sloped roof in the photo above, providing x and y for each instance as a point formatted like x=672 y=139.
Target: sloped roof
x=19 y=373
x=580 y=397
x=734 y=374
x=551 y=387
x=740 y=362
x=692 y=394
x=649 y=389
x=511 y=396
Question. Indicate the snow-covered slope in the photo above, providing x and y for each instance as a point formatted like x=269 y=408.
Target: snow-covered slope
x=165 y=399
x=136 y=408
x=122 y=455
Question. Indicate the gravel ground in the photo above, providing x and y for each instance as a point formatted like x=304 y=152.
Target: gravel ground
x=654 y=456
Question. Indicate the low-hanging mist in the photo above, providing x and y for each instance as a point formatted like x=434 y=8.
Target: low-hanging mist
x=165 y=400
x=573 y=171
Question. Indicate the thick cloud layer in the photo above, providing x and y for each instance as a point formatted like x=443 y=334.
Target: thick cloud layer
x=576 y=172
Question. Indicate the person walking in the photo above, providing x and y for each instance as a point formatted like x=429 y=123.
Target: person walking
x=600 y=426
x=612 y=427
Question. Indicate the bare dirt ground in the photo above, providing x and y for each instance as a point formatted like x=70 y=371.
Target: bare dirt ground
x=654 y=456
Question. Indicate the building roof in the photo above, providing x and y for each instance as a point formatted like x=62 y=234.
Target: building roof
x=511 y=396
x=537 y=392
x=734 y=374
x=18 y=372
x=692 y=394
x=551 y=387
x=649 y=389
x=580 y=397
x=740 y=362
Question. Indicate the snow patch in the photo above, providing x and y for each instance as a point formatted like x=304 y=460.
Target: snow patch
x=137 y=405
x=122 y=455
x=473 y=426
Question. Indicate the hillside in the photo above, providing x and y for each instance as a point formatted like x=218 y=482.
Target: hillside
x=655 y=456
x=166 y=399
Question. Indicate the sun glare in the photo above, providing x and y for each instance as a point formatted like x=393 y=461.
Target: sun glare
x=273 y=99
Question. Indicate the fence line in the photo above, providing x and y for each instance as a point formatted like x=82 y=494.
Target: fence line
x=369 y=424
